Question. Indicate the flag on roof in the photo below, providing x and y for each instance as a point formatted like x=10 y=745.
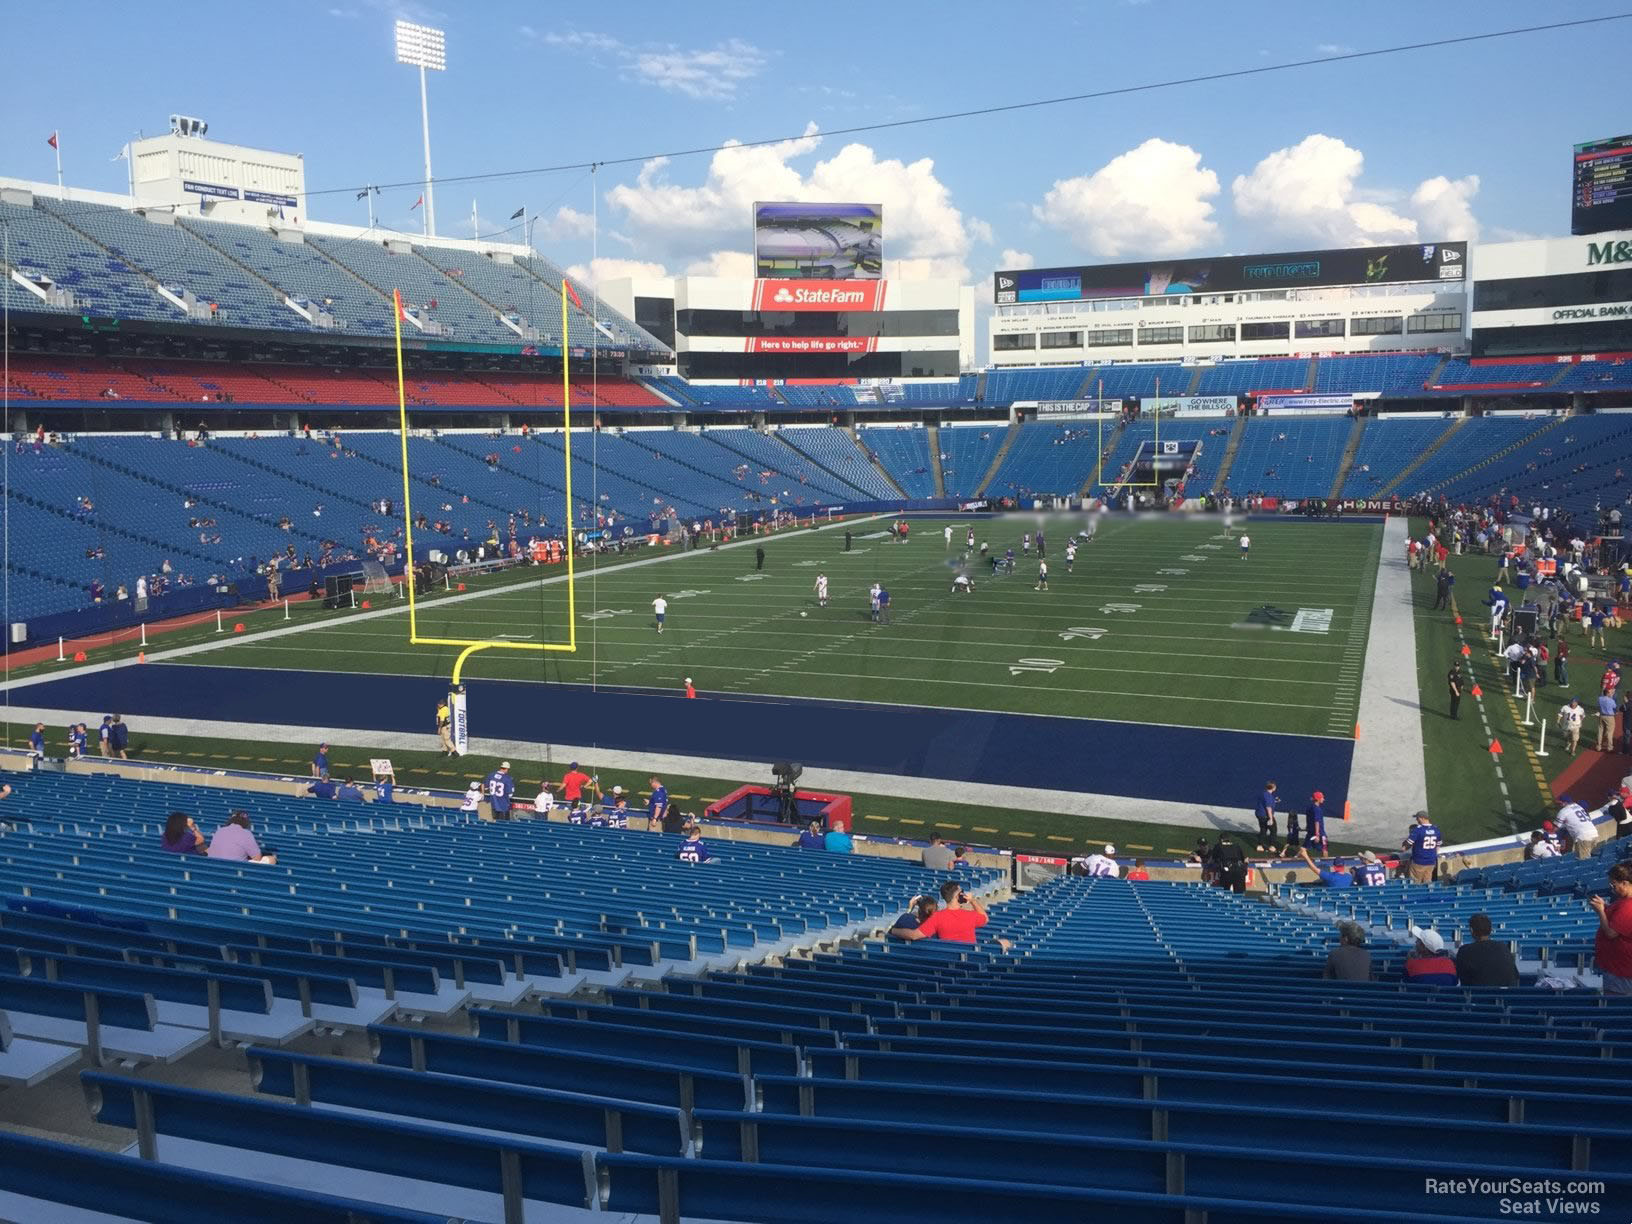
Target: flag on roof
x=417 y=203
x=51 y=140
x=572 y=293
x=363 y=194
x=519 y=213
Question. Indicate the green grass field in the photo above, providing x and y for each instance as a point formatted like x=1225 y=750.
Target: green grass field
x=1161 y=622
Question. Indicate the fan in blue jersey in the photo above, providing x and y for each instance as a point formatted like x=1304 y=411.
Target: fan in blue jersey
x=1371 y=873
x=1423 y=842
x=36 y=740
x=692 y=849
x=385 y=788
x=1314 y=817
x=499 y=787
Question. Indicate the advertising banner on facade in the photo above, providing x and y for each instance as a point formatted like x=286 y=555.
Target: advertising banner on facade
x=1189 y=405
x=810 y=344
x=1307 y=403
x=775 y=295
x=1430 y=261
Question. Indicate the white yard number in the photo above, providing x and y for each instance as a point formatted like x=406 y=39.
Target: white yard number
x=606 y=612
x=1035 y=665
x=688 y=594
x=1192 y=557
x=1121 y=607
x=805 y=564
x=1086 y=632
x=752 y=577
x=1213 y=547
x=1180 y=572
x=1148 y=588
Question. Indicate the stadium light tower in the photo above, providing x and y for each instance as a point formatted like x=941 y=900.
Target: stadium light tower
x=423 y=47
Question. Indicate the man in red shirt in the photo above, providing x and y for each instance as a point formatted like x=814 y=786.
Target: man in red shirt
x=958 y=922
x=573 y=783
x=1613 y=947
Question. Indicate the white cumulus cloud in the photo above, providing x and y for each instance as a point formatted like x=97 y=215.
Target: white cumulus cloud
x=1013 y=259
x=1152 y=200
x=709 y=223
x=1444 y=207
x=732 y=264
x=1311 y=191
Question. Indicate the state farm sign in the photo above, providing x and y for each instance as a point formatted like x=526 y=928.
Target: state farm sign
x=770 y=295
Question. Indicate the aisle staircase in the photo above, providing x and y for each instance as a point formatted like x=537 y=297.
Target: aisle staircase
x=997 y=459
x=877 y=466
x=1404 y=473
x=1099 y=464
x=1347 y=462
x=1222 y=480
x=934 y=432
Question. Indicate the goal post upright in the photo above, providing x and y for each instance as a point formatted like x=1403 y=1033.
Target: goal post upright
x=471 y=645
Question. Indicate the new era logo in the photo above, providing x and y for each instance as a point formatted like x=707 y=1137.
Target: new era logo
x=1005 y=282
x=1449 y=255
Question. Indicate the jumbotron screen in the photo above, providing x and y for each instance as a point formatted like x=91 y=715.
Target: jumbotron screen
x=806 y=241
x=1601 y=198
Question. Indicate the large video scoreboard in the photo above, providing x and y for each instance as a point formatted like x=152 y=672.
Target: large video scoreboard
x=1602 y=195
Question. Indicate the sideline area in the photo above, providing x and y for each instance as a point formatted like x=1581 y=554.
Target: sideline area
x=1388 y=780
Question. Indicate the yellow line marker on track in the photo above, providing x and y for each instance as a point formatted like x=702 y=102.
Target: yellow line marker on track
x=906 y=820
x=981 y=829
x=884 y=818
x=1136 y=846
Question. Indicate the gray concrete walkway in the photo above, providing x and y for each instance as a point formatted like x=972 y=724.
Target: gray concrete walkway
x=1389 y=780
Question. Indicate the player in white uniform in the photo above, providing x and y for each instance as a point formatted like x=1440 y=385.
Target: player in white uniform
x=969 y=540
x=1025 y=543
x=821 y=590
x=1246 y=543
x=947 y=532
x=1042 y=575
x=1070 y=555
x=961 y=584
x=660 y=609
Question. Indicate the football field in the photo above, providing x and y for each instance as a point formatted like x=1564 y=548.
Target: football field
x=1160 y=620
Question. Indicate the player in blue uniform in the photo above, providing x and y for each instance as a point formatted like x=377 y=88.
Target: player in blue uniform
x=499 y=787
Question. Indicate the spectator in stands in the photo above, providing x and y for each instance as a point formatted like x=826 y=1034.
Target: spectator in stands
x=692 y=849
x=103 y=736
x=1484 y=962
x=349 y=790
x=812 y=838
x=1350 y=961
x=385 y=788
x=1426 y=964
x=1612 y=948
x=1264 y=809
x=322 y=788
x=1337 y=877
x=181 y=835
x=1138 y=871
x=119 y=737
x=36 y=741
x=1423 y=841
x=837 y=840
x=657 y=805
x=1540 y=847
x=906 y=927
x=500 y=788
x=937 y=855
x=962 y=916
x=320 y=762
x=472 y=801
x=234 y=841
x=1574 y=822
x=1570 y=718
x=1102 y=863
x=573 y=783
x=545 y=799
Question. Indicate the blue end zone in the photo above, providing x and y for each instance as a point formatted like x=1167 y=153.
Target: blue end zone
x=1192 y=765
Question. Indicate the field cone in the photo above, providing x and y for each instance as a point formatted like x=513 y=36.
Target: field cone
x=1459 y=620
x=141 y=656
x=1348 y=811
x=461 y=586
x=79 y=656
x=1495 y=747
x=1477 y=691
x=366 y=604
x=239 y=627
x=1465 y=651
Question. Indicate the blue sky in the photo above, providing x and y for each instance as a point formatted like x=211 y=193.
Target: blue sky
x=1458 y=142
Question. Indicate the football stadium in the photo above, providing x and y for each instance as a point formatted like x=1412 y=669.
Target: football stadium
x=780 y=724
